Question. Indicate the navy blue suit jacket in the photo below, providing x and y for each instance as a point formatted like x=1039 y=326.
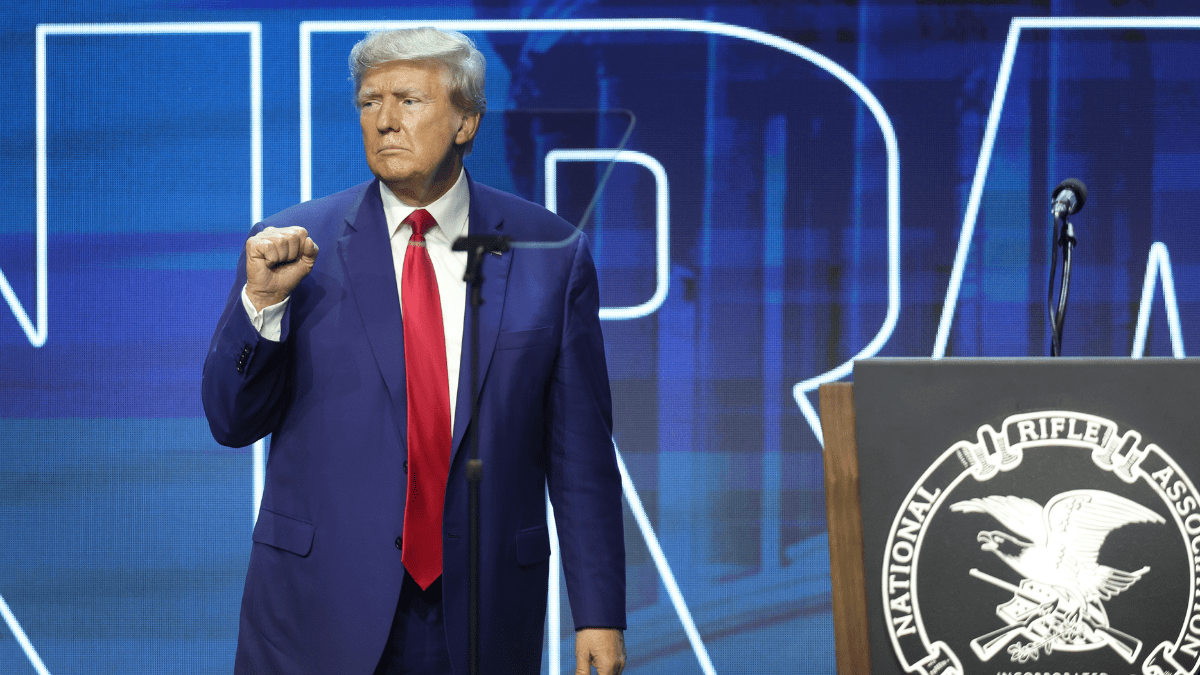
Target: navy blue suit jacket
x=325 y=571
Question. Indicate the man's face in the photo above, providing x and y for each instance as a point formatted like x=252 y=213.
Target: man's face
x=411 y=128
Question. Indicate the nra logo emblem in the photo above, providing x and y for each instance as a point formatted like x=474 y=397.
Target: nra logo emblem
x=1057 y=544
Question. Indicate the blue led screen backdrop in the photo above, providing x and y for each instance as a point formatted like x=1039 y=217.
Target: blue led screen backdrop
x=771 y=189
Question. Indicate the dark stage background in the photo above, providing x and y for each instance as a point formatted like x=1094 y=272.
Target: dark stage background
x=802 y=183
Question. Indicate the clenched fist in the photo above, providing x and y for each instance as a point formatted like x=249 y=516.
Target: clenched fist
x=276 y=260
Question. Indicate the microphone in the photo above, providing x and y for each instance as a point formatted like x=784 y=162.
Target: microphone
x=1068 y=197
x=495 y=244
x=476 y=245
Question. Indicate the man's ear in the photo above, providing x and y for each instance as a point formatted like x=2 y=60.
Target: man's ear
x=467 y=129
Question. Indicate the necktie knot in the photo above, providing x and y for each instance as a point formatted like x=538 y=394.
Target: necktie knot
x=421 y=222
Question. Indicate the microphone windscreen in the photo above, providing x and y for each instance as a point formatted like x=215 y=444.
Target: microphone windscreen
x=1074 y=185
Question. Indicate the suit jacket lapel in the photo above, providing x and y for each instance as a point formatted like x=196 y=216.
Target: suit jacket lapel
x=483 y=220
x=367 y=259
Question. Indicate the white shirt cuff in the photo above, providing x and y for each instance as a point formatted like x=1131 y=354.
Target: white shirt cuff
x=268 y=322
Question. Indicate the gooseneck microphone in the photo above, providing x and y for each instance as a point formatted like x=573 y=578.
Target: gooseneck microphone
x=1068 y=197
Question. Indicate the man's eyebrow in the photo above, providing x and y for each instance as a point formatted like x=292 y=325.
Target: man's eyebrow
x=401 y=92
x=405 y=92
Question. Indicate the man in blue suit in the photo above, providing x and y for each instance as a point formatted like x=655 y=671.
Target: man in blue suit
x=331 y=341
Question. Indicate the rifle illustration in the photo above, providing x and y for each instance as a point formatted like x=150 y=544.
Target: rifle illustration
x=1022 y=624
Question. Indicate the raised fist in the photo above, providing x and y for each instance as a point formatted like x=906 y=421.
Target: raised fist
x=276 y=260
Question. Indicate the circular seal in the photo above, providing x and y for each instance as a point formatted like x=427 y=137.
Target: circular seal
x=1057 y=544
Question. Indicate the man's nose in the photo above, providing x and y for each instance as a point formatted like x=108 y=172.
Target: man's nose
x=389 y=118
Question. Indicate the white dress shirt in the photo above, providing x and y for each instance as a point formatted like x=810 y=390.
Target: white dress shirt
x=451 y=211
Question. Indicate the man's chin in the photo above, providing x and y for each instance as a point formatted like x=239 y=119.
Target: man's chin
x=395 y=178
x=392 y=167
x=409 y=182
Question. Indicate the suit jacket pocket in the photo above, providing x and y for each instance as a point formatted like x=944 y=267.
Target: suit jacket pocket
x=520 y=339
x=280 y=531
x=533 y=545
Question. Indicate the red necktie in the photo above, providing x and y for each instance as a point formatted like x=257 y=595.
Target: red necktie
x=428 y=407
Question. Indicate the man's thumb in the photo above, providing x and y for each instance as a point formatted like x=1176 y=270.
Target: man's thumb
x=309 y=250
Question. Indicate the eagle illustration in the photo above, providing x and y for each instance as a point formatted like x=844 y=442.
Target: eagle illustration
x=1058 y=545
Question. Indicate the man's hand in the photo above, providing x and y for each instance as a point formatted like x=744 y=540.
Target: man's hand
x=600 y=647
x=276 y=260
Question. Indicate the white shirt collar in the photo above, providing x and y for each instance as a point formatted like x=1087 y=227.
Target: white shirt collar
x=450 y=210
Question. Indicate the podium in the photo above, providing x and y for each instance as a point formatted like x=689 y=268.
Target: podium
x=1015 y=516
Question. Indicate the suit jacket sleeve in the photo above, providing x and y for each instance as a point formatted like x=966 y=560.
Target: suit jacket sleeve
x=584 y=483
x=245 y=375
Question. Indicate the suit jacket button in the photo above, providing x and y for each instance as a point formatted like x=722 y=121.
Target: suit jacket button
x=400 y=543
x=406 y=466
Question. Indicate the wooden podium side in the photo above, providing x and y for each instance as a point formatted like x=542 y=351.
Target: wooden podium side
x=843 y=507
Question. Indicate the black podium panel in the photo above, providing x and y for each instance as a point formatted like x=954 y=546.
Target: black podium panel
x=1031 y=515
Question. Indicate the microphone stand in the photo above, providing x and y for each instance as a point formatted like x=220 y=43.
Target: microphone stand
x=1065 y=239
x=475 y=246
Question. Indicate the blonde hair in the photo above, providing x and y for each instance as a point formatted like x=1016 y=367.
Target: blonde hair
x=464 y=64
